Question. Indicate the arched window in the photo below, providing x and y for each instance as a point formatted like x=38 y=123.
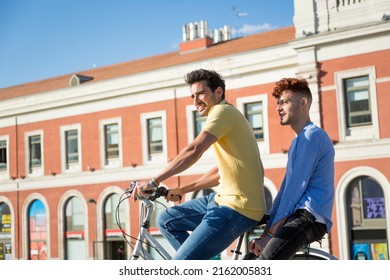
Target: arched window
x=5 y=232
x=37 y=231
x=114 y=244
x=74 y=230
x=366 y=219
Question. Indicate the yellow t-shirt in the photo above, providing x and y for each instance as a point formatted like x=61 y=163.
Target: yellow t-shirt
x=240 y=167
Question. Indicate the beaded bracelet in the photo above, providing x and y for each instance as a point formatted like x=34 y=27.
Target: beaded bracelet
x=154 y=182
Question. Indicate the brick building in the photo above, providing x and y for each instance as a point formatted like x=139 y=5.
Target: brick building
x=70 y=145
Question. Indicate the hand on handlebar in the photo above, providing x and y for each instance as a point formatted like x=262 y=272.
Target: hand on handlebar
x=147 y=189
x=174 y=195
x=142 y=188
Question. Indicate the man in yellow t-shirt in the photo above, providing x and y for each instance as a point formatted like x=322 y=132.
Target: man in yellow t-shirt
x=202 y=228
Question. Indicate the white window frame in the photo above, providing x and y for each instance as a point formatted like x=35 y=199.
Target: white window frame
x=112 y=163
x=190 y=109
x=4 y=174
x=74 y=167
x=36 y=171
x=360 y=132
x=161 y=158
x=264 y=145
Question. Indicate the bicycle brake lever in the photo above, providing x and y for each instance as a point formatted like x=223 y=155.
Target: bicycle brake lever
x=131 y=189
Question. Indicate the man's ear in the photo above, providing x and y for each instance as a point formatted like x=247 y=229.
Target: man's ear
x=304 y=101
x=219 y=91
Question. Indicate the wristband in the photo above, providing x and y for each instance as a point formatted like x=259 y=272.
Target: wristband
x=154 y=182
x=269 y=234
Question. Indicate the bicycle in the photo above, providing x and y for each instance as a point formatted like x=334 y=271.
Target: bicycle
x=146 y=238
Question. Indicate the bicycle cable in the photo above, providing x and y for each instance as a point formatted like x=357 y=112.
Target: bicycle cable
x=127 y=237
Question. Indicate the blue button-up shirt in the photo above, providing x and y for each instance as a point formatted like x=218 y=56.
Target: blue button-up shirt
x=309 y=178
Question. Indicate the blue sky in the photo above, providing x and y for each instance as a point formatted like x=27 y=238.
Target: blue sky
x=41 y=39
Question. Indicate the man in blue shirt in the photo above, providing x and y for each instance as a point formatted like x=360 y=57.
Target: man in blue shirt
x=302 y=210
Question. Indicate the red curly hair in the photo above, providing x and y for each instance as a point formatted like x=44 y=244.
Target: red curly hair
x=292 y=85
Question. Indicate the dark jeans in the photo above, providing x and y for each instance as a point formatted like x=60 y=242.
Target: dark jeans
x=200 y=229
x=300 y=230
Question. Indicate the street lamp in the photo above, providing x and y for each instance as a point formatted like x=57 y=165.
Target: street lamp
x=91 y=200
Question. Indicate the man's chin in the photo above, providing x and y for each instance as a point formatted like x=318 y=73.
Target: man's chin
x=202 y=113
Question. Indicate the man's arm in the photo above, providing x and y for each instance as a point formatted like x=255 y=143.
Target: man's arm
x=208 y=180
x=188 y=156
x=185 y=159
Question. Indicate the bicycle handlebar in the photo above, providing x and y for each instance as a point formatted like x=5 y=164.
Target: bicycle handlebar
x=154 y=194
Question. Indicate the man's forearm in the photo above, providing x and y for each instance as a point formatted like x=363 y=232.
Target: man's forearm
x=208 y=180
x=182 y=162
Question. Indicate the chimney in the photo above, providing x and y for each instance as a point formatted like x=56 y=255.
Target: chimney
x=195 y=36
x=222 y=34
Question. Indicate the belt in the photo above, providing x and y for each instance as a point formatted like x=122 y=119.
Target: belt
x=306 y=214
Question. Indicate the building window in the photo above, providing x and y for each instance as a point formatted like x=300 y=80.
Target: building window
x=255 y=110
x=357 y=104
x=367 y=219
x=74 y=230
x=254 y=114
x=155 y=139
x=72 y=153
x=3 y=155
x=154 y=143
x=357 y=101
x=35 y=152
x=70 y=137
x=37 y=231
x=111 y=142
x=199 y=122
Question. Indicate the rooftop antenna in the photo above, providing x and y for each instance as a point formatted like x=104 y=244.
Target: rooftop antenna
x=238 y=14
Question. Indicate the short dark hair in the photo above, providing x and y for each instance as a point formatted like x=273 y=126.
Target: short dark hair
x=213 y=79
x=293 y=85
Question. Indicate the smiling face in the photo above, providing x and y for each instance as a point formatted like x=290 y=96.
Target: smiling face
x=204 y=99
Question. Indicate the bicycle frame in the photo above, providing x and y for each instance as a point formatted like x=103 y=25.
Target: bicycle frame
x=144 y=235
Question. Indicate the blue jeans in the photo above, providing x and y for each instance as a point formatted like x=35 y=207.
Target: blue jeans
x=213 y=228
x=299 y=230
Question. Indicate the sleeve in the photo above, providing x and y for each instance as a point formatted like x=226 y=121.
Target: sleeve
x=275 y=204
x=304 y=166
x=218 y=121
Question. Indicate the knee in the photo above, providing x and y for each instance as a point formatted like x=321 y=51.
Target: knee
x=161 y=220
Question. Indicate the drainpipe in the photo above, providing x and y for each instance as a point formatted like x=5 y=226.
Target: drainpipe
x=18 y=237
x=176 y=131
